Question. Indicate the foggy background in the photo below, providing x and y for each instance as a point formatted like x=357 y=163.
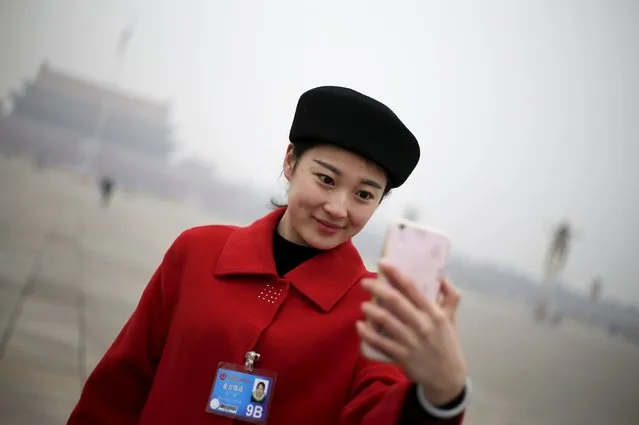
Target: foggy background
x=527 y=113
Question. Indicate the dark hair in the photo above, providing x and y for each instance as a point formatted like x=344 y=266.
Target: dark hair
x=262 y=384
x=301 y=147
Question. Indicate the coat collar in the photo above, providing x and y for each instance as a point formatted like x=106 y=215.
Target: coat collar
x=324 y=279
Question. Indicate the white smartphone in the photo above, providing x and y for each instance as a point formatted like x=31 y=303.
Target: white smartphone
x=419 y=252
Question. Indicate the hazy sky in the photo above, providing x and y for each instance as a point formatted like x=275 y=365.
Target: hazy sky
x=527 y=111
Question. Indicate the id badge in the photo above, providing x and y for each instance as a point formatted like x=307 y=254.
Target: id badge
x=241 y=394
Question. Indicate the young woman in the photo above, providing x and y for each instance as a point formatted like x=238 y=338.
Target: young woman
x=284 y=303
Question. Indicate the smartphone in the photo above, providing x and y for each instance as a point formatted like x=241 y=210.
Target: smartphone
x=419 y=252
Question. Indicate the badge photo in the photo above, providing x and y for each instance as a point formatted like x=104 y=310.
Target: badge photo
x=241 y=394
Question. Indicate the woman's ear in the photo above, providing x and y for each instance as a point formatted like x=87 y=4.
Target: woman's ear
x=289 y=163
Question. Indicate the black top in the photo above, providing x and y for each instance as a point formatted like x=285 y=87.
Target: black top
x=287 y=256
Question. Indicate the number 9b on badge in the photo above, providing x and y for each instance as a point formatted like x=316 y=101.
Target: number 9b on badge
x=241 y=395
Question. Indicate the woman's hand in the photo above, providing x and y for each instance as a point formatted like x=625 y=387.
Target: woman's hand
x=421 y=336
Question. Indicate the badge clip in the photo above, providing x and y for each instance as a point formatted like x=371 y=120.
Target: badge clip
x=250 y=358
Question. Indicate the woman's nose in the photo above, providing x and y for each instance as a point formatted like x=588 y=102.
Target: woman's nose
x=336 y=206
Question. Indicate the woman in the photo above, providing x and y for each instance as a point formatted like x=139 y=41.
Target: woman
x=260 y=392
x=286 y=300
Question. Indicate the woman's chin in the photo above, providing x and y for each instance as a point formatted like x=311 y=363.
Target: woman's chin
x=324 y=242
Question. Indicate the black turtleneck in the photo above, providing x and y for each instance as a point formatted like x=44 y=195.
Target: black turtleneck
x=288 y=255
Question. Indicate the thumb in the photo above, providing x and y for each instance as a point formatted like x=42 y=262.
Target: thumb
x=450 y=299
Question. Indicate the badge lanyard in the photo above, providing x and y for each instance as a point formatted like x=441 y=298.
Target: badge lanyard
x=242 y=392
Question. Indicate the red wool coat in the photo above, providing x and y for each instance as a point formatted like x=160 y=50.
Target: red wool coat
x=215 y=296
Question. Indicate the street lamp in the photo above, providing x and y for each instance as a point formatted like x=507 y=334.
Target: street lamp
x=555 y=262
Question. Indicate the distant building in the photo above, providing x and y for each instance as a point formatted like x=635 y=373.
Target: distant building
x=55 y=116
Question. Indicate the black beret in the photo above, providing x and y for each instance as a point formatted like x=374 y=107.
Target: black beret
x=358 y=123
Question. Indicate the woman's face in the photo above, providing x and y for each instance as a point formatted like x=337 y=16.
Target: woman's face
x=333 y=193
x=260 y=389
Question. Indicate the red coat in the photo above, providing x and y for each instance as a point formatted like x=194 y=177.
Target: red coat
x=215 y=296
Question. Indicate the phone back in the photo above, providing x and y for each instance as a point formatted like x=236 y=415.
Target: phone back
x=421 y=254
x=418 y=252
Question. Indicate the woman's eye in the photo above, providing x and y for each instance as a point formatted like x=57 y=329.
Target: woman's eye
x=365 y=195
x=325 y=179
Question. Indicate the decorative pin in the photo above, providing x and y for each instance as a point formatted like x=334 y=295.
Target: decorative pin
x=250 y=358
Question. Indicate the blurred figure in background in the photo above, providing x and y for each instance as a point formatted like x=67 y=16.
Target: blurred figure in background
x=107 y=185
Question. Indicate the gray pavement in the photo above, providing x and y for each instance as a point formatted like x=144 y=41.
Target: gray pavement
x=72 y=272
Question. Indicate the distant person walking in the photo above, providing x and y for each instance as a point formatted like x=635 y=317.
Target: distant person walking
x=107 y=185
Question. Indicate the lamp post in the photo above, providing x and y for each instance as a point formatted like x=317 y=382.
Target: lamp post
x=88 y=165
x=555 y=262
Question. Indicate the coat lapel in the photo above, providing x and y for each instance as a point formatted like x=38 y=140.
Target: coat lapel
x=324 y=279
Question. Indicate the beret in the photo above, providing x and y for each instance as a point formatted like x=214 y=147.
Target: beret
x=346 y=118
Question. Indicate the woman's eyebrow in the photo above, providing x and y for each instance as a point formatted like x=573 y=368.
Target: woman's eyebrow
x=337 y=171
